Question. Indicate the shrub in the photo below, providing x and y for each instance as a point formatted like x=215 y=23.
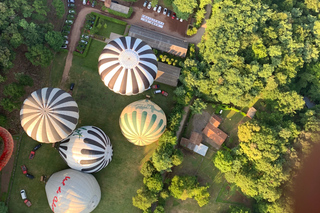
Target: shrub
x=85 y=51
x=164 y=194
x=192 y=31
x=59 y=7
x=24 y=80
x=2 y=79
x=160 y=56
x=177 y=157
x=154 y=183
x=3 y=120
x=116 y=13
x=144 y=199
x=147 y=169
x=14 y=91
x=198 y=106
x=9 y=105
x=159 y=209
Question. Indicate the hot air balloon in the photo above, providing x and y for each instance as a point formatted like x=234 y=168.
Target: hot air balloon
x=127 y=65
x=72 y=191
x=8 y=147
x=88 y=149
x=49 y=115
x=142 y=122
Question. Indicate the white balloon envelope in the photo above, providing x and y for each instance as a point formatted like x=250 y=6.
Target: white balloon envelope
x=72 y=191
x=88 y=149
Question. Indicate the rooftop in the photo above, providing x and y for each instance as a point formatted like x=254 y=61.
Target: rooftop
x=216 y=136
x=168 y=74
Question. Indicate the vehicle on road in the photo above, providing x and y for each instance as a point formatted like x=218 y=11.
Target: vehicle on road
x=145 y=4
x=23 y=194
x=157 y=91
x=159 y=9
x=155 y=8
x=149 y=5
x=168 y=13
x=165 y=11
x=173 y=16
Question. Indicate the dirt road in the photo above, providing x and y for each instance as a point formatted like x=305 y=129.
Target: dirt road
x=73 y=39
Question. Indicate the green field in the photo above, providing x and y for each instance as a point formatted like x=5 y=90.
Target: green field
x=111 y=27
x=98 y=106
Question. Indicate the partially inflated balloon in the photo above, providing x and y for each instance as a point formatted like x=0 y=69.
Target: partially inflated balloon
x=142 y=122
x=72 y=191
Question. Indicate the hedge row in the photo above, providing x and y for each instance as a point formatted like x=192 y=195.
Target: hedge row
x=117 y=21
x=84 y=54
x=116 y=13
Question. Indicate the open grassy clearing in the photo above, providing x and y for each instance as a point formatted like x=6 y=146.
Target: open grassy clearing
x=57 y=68
x=111 y=27
x=99 y=107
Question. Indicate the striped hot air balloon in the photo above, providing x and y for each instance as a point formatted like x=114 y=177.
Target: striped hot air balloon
x=88 y=149
x=142 y=122
x=72 y=191
x=128 y=66
x=49 y=115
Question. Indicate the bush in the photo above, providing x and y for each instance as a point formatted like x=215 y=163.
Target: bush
x=147 y=169
x=144 y=199
x=192 y=31
x=84 y=54
x=116 y=13
x=154 y=183
x=9 y=105
x=177 y=158
x=14 y=91
x=159 y=209
x=3 y=121
x=164 y=194
x=2 y=79
x=117 y=21
x=24 y=80
x=198 y=106
x=59 y=7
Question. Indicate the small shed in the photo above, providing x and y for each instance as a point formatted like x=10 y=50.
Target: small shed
x=251 y=112
x=215 y=120
x=201 y=149
x=195 y=138
x=309 y=103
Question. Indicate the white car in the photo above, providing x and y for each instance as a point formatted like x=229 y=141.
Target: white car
x=159 y=9
x=72 y=11
x=69 y=22
x=165 y=11
x=83 y=41
x=149 y=5
x=157 y=91
x=23 y=194
x=145 y=4
x=181 y=20
x=85 y=36
x=84 y=2
x=155 y=8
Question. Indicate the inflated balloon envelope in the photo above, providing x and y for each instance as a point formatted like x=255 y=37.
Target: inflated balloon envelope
x=142 y=122
x=72 y=191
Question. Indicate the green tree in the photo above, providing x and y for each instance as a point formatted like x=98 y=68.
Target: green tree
x=154 y=183
x=184 y=8
x=144 y=199
x=159 y=209
x=203 y=3
x=54 y=39
x=14 y=91
x=39 y=55
x=197 y=106
x=59 y=7
x=154 y=3
x=147 y=169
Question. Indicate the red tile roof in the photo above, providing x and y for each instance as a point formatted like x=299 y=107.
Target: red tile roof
x=216 y=135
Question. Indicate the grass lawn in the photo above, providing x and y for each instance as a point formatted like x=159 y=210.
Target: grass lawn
x=57 y=68
x=111 y=27
x=98 y=106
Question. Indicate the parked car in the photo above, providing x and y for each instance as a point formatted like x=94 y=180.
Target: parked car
x=86 y=37
x=145 y=4
x=169 y=13
x=66 y=42
x=181 y=20
x=157 y=91
x=70 y=17
x=155 y=8
x=69 y=22
x=37 y=147
x=156 y=86
x=88 y=3
x=159 y=9
x=165 y=11
x=23 y=194
x=27 y=202
x=71 y=86
x=93 y=4
x=164 y=93
x=84 y=2
x=173 y=16
x=24 y=169
x=70 y=5
x=71 y=1
x=114 y=1
x=32 y=154
x=29 y=176
x=72 y=11
x=177 y=18
x=84 y=42
x=149 y=5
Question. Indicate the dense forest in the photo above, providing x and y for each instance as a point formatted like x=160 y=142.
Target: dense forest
x=26 y=31
x=267 y=51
